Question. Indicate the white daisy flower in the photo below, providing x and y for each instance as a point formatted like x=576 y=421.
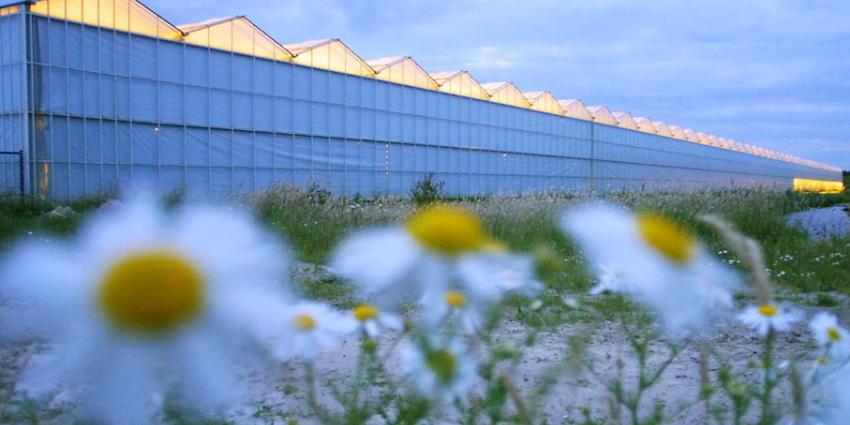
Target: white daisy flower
x=491 y=274
x=766 y=317
x=143 y=302
x=442 y=371
x=654 y=260
x=828 y=401
x=830 y=335
x=439 y=307
x=372 y=321
x=401 y=262
x=310 y=328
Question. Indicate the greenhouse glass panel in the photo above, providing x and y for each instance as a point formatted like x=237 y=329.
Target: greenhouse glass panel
x=602 y=115
x=662 y=128
x=645 y=125
x=402 y=70
x=123 y=15
x=507 y=93
x=331 y=55
x=625 y=120
x=460 y=83
x=576 y=109
x=545 y=102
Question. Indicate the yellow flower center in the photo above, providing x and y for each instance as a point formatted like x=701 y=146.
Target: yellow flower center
x=304 y=322
x=455 y=299
x=364 y=312
x=448 y=230
x=833 y=333
x=768 y=310
x=151 y=292
x=666 y=236
x=443 y=364
x=823 y=360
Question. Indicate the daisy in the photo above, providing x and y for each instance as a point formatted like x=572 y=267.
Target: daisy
x=144 y=302
x=829 y=335
x=401 y=262
x=308 y=329
x=654 y=260
x=768 y=317
x=828 y=400
x=439 y=307
x=491 y=274
x=372 y=321
x=441 y=371
x=482 y=279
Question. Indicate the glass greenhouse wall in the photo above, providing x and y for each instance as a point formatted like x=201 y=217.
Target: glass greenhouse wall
x=98 y=109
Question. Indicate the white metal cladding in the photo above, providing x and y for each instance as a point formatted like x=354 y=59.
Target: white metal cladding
x=13 y=125
x=111 y=110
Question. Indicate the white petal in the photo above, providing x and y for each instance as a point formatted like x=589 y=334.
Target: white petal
x=377 y=260
x=202 y=360
x=227 y=243
x=124 y=385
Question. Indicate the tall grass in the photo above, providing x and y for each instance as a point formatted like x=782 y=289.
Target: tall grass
x=313 y=222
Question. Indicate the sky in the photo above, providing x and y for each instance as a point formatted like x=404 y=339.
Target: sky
x=773 y=73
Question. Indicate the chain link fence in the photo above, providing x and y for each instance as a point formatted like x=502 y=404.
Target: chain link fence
x=12 y=173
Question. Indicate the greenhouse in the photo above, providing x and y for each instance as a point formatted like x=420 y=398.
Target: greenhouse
x=98 y=96
x=625 y=120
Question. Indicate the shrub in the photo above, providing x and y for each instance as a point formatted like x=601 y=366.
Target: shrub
x=427 y=190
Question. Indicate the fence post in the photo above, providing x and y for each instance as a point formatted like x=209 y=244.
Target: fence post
x=21 y=173
x=592 y=171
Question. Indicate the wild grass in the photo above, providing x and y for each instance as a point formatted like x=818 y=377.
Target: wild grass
x=314 y=221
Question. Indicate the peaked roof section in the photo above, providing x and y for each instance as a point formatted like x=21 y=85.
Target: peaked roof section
x=602 y=115
x=237 y=34
x=576 y=108
x=461 y=83
x=331 y=54
x=544 y=101
x=625 y=120
x=9 y=10
x=645 y=125
x=402 y=70
x=703 y=138
x=691 y=135
x=678 y=132
x=714 y=141
x=506 y=92
x=123 y=15
x=662 y=128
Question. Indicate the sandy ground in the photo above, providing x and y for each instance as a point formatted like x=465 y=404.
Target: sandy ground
x=677 y=390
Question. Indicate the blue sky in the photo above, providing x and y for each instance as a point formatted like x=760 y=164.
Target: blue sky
x=774 y=73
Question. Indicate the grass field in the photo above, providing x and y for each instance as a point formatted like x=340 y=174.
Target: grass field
x=314 y=222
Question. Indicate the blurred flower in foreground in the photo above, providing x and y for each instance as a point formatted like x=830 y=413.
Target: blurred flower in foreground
x=143 y=303
x=372 y=320
x=481 y=280
x=828 y=400
x=310 y=328
x=654 y=260
x=439 y=371
x=766 y=317
x=829 y=335
x=426 y=254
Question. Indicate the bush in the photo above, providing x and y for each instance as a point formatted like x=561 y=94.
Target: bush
x=427 y=190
